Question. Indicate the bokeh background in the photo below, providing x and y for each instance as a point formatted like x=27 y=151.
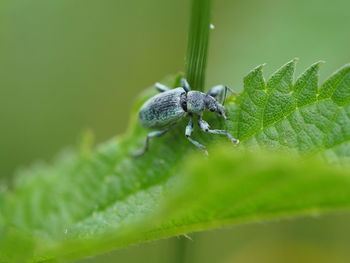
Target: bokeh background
x=71 y=65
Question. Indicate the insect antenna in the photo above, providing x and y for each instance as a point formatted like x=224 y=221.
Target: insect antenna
x=225 y=94
x=223 y=103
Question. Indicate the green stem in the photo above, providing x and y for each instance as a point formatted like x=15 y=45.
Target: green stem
x=198 y=42
x=181 y=250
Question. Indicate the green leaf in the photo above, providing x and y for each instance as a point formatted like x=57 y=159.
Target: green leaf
x=92 y=200
x=299 y=117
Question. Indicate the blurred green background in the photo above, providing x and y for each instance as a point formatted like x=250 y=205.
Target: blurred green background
x=71 y=65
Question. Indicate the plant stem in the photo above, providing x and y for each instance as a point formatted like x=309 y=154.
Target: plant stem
x=181 y=250
x=198 y=42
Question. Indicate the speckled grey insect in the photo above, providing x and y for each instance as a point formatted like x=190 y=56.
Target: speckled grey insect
x=164 y=110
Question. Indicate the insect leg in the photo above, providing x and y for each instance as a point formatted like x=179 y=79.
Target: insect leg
x=160 y=87
x=149 y=136
x=205 y=127
x=189 y=129
x=185 y=85
x=219 y=92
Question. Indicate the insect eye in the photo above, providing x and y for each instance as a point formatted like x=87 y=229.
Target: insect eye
x=212 y=110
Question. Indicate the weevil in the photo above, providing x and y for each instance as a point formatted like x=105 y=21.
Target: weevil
x=170 y=106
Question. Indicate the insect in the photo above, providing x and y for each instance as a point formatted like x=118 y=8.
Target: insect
x=164 y=110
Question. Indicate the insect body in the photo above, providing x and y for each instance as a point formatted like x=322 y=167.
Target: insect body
x=171 y=105
x=164 y=109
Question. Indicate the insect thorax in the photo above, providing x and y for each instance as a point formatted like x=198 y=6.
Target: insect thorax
x=196 y=102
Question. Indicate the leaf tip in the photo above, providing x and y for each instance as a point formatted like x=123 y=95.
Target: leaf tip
x=260 y=67
x=255 y=70
x=344 y=68
x=285 y=72
x=317 y=64
x=289 y=66
x=292 y=63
